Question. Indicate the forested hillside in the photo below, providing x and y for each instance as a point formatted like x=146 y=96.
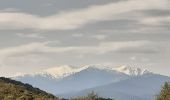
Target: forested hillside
x=14 y=90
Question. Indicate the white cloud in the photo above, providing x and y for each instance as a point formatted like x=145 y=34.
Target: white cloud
x=31 y=54
x=77 y=18
x=155 y=21
x=44 y=47
x=103 y=47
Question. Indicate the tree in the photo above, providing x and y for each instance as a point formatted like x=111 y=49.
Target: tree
x=165 y=92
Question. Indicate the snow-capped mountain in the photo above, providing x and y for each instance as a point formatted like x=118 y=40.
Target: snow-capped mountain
x=56 y=72
x=66 y=70
x=132 y=71
x=70 y=79
x=63 y=71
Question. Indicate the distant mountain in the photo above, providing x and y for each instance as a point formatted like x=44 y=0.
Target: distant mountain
x=69 y=78
x=118 y=82
x=66 y=70
x=15 y=90
x=144 y=87
x=88 y=78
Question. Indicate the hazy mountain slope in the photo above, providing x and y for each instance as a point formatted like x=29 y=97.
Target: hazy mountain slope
x=12 y=90
x=88 y=78
x=76 y=79
x=139 y=88
x=43 y=82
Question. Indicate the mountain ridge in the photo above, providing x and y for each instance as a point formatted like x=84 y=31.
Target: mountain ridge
x=77 y=77
x=66 y=70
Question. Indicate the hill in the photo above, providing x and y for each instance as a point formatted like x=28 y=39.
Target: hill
x=15 y=90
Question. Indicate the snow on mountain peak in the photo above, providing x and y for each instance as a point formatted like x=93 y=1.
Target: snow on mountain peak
x=133 y=71
x=62 y=71
x=66 y=70
x=128 y=70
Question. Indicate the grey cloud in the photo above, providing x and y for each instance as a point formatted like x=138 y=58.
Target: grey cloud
x=85 y=41
x=152 y=49
x=69 y=20
x=141 y=50
x=118 y=24
x=49 y=7
x=155 y=12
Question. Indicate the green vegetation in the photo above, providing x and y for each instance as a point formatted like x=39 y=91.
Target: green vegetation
x=14 y=90
x=88 y=97
x=165 y=92
x=91 y=96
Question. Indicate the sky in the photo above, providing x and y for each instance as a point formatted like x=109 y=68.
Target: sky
x=40 y=34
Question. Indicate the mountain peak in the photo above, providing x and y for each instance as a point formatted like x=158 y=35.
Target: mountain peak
x=133 y=71
x=61 y=71
x=128 y=70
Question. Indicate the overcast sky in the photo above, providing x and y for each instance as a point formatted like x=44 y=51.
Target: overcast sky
x=40 y=34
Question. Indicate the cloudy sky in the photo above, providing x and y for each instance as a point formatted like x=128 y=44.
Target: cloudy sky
x=39 y=34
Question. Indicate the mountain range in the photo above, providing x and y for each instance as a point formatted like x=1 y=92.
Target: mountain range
x=120 y=83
